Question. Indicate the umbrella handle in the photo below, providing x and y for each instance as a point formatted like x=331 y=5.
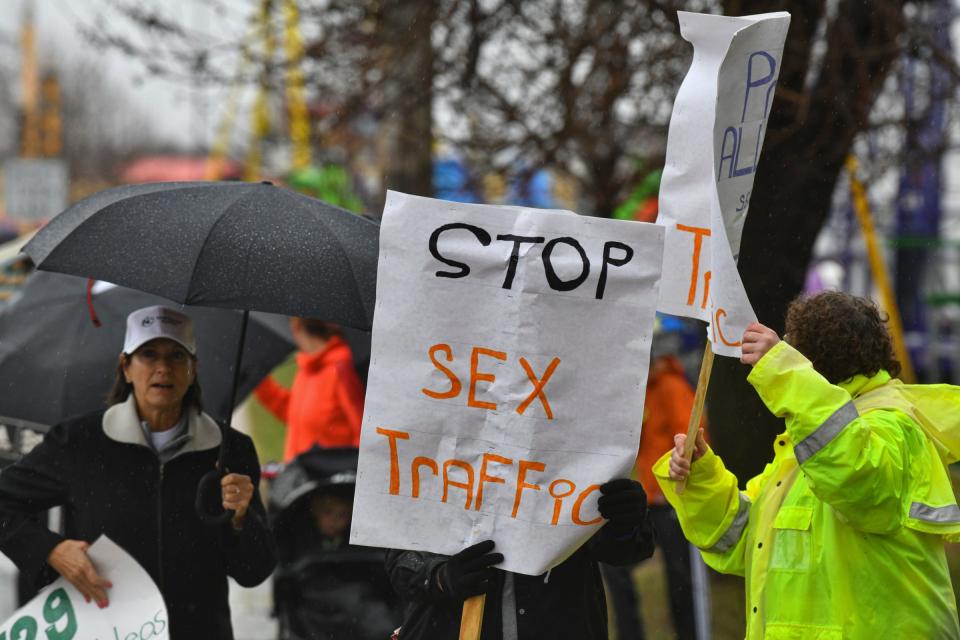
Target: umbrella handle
x=208 y=487
x=208 y=501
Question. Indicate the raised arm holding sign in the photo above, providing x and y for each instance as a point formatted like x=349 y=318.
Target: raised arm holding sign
x=837 y=538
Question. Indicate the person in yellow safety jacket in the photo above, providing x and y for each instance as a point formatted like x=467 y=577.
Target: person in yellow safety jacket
x=841 y=536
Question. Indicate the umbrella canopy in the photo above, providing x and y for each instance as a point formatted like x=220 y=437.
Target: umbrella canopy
x=221 y=244
x=56 y=363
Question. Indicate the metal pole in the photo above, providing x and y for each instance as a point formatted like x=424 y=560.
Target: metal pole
x=701 y=594
x=879 y=270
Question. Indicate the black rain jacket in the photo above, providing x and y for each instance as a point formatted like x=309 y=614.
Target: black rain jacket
x=109 y=481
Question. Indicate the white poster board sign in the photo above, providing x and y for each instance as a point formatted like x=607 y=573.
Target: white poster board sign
x=59 y=612
x=509 y=362
x=725 y=99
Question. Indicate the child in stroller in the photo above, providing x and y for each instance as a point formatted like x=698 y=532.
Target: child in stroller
x=324 y=588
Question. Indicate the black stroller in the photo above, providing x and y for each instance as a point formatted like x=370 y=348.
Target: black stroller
x=325 y=589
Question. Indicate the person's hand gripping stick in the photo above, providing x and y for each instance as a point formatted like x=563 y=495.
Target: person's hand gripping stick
x=679 y=463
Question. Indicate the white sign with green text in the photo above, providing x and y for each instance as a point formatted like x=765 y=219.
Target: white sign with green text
x=136 y=610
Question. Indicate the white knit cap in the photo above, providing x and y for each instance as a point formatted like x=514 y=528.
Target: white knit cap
x=150 y=323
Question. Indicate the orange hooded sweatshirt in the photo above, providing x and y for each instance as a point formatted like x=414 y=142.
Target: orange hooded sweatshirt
x=666 y=412
x=325 y=404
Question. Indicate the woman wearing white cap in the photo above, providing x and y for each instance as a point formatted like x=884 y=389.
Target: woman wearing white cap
x=131 y=473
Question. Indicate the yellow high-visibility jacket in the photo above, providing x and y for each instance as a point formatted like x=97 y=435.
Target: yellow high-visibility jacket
x=841 y=536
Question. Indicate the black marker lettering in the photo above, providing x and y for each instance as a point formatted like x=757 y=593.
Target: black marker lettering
x=552 y=279
x=481 y=235
x=515 y=254
x=608 y=260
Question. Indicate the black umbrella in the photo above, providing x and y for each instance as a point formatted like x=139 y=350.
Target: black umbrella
x=55 y=362
x=222 y=244
x=235 y=245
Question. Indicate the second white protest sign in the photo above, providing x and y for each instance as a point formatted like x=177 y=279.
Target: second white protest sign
x=59 y=612
x=725 y=99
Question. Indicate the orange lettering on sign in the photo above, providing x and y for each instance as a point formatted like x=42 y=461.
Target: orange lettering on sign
x=719 y=330
x=523 y=484
x=575 y=514
x=476 y=376
x=706 y=289
x=466 y=486
x=421 y=461
x=558 y=498
x=455 y=385
x=393 y=436
x=488 y=457
x=538 y=386
x=698 y=234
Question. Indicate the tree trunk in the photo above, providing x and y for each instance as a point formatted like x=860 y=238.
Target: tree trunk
x=408 y=124
x=810 y=132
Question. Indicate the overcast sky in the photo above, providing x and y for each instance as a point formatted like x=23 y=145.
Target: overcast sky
x=180 y=113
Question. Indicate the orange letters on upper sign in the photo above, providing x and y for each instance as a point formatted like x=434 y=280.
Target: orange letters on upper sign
x=488 y=457
x=538 y=386
x=718 y=330
x=698 y=234
x=421 y=461
x=523 y=484
x=558 y=498
x=473 y=484
x=466 y=486
x=575 y=516
x=456 y=386
x=476 y=377
x=394 y=463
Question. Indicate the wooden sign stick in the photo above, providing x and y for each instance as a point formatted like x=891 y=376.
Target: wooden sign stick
x=472 y=618
x=706 y=366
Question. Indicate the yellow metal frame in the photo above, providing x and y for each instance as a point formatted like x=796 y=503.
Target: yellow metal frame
x=861 y=207
x=262 y=33
x=296 y=102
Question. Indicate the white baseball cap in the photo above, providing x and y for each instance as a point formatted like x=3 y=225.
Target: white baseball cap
x=150 y=323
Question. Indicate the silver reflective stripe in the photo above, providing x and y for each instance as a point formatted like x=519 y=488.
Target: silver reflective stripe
x=729 y=539
x=508 y=608
x=825 y=432
x=949 y=514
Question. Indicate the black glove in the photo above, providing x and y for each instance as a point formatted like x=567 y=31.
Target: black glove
x=469 y=572
x=624 y=504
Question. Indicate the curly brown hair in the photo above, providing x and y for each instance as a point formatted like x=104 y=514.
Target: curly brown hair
x=842 y=335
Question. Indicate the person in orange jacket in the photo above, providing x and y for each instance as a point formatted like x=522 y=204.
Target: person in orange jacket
x=666 y=411
x=667 y=408
x=325 y=404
